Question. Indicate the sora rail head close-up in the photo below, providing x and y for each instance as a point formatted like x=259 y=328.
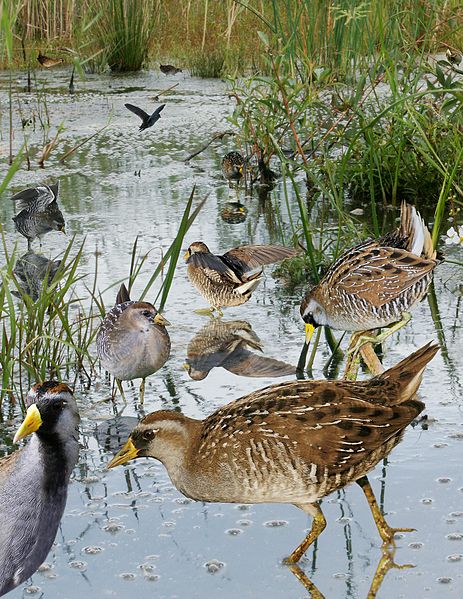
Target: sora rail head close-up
x=34 y=481
x=293 y=442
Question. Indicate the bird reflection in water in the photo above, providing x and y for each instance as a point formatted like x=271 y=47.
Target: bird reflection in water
x=33 y=272
x=227 y=344
x=233 y=213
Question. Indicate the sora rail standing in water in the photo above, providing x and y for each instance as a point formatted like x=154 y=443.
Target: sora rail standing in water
x=375 y=283
x=233 y=167
x=34 y=481
x=294 y=442
x=132 y=342
x=222 y=280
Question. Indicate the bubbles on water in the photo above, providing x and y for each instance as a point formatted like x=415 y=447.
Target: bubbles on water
x=214 y=565
x=416 y=545
x=169 y=524
x=444 y=480
x=32 y=590
x=427 y=501
x=113 y=527
x=275 y=523
x=455 y=557
x=92 y=550
x=182 y=500
x=454 y=536
x=444 y=579
x=45 y=567
x=244 y=522
x=78 y=565
x=340 y=576
x=234 y=532
x=127 y=576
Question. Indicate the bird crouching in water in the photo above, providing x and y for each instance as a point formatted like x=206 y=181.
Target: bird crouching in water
x=38 y=212
x=375 y=283
x=148 y=120
x=132 y=341
x=34 y=481
x=222 y=280
x=293 y=442
x=169 y=69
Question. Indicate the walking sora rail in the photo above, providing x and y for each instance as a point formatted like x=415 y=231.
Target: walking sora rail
x=375 y=283
x=132 y=342
x=34 y=481
x=293 y=442
x=222 y=280
x=233 y=167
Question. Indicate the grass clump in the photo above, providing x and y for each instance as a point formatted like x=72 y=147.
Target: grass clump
x=208 y=64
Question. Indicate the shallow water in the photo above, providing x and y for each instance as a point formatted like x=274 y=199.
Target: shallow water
x=127 y=532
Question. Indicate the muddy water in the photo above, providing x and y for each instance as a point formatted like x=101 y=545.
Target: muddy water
x=128 y=532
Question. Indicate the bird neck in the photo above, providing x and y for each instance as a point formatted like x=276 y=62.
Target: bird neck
x=58 y=457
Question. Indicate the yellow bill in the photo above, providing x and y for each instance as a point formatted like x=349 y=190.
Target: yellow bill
x=159 y=319
x=309 y=329
x=31 y=423
x=128 y=452
x=186 y=255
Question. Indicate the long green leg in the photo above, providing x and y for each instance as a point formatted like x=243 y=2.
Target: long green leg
x=385 y=333
x=306 y=582
x=385 y=564
x=121 y=390
x=205 y=311
x=318 y=526
x=386 y=532
x=142 y=391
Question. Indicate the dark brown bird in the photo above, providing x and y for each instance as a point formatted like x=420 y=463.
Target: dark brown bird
x=227 y=344
x=294 y=442
x=48 y=62
x=222 y=280
x=233 y=167
x=169 y=69
x=148 y=120
x=375 y=283
x=34 y=481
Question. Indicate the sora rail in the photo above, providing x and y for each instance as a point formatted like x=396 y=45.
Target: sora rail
x=222 y=280
x=233 y=167
x=375 y=283
x=293 y=442
x=132 y=341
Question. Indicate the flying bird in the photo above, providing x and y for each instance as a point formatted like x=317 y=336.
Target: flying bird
x=148 y=120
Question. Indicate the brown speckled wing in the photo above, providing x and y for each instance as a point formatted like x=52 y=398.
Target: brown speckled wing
x=325 y=424
x=377 y=275
x=254 y=256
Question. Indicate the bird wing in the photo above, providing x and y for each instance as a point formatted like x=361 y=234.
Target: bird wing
x=123 y=295
x=158 y=111
x=42 y=196
x=331 y=425
x=138 y=111
x=248 y=257
x=377 y=274
x=214 y=267
x=246 y=363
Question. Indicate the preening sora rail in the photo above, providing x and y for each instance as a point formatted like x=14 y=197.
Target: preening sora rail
x=222 y=280
x=293 y=442
x=38 y=212
x=34 y=481
x=375 y=283
x=132 y=341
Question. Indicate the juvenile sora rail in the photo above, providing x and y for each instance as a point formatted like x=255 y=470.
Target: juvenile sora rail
x=375 y=283
x=132 y=342
x=222 y=280
x=34 y=481
x=293 y=442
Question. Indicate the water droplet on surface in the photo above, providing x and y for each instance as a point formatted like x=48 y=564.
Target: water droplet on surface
x=275 y=523
x=416 y=545
x=243 y=522
x=44 y=567
x=213 y=566
x=444 y=579
x=78 y=565
x=454 y=536
x=32 y=590
x=444 y=480
x=427 y=501
x=340 y=575
x=127 y=576
x=113 y=528
x=92 y=550
x=233 y=531
x=456 y=557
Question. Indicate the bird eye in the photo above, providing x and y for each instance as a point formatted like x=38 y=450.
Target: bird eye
x=147 y=313
x=58 y=406
x=148 y=435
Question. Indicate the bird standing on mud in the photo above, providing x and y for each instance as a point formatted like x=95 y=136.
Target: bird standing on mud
x=39 y=213
x=222 y=280
x=293 y=442
x=132 y=342
x=375 y=283
x=148 y=120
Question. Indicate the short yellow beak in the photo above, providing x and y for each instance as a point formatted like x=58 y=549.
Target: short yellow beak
x=309 y=329
x=185 y=366
x=240 y=169
x=159 y=319
x=31 y=423
x=128 y=452
x=63 y=230
x=186 y=255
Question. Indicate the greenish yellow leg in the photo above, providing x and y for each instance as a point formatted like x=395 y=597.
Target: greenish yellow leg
x=306 y=582
x=361 y=339
x=318 y=526
x=142 y=391
x=385 y=564
x=205 y=311
x=386 y=532
x=121 y=390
